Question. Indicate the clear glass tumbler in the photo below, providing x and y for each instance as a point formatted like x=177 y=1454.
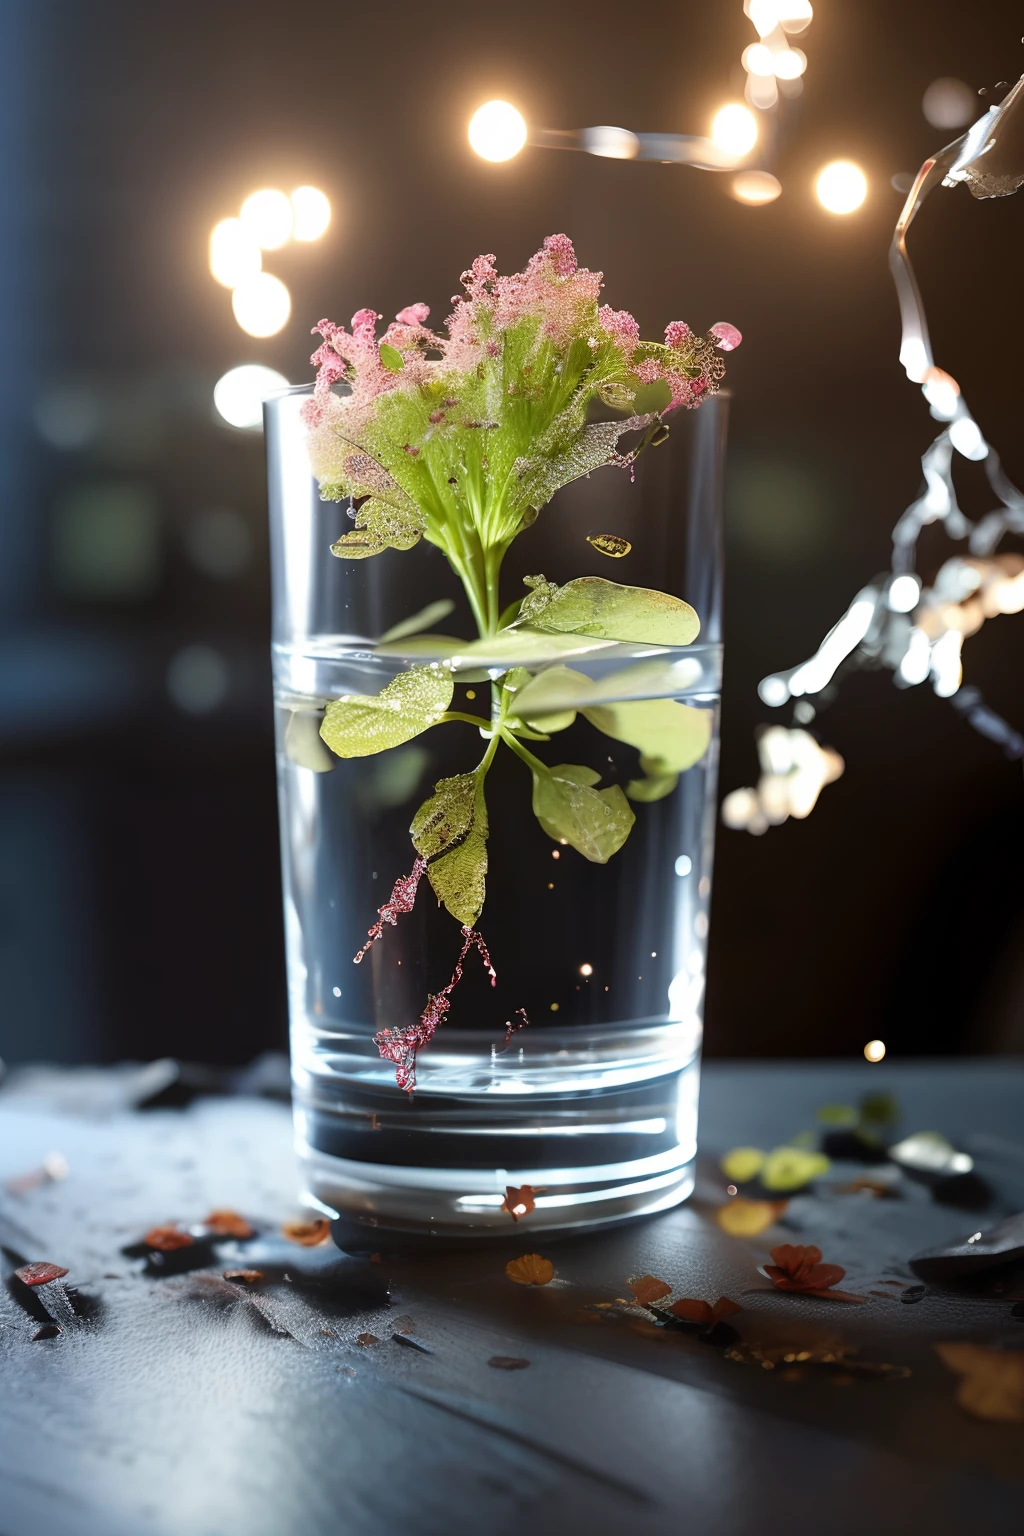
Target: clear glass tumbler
x=593 y=1103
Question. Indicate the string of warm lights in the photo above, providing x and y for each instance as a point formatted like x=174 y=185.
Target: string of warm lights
x=268 y=220
x=897 y=622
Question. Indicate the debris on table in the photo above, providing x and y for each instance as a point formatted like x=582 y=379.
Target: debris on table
x=307 y=1234
x=992 y=1380
x=530 y=1269
x=798 y=1268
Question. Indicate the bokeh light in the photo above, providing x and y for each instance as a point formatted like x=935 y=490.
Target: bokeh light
x=874 y=1050
x=239 y=395
x=758 y=59
x=234 y=253
x=755 y=187
x=841 y=187
x=268 y=217
x=262 y=305
x=198 y=679
x=734 y=130
x=790 y=63
x=497 y=131
x=950 y=103
x=904 y=593
x=311 y=211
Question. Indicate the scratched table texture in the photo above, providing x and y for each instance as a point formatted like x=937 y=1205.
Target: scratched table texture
x=176 y=1404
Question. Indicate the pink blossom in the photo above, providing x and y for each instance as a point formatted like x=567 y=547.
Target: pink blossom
x=677 y=334
x=413 y=314
x=649 y=371
x=621 y=327
x=728 y=337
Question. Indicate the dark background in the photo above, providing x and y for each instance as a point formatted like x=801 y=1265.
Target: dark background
x=139 y=893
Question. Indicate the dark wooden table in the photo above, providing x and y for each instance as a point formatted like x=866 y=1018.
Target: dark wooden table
x=178 y=1404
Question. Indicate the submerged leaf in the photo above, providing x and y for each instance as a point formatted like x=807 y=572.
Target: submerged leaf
x=653 y=786
x=431 y=614
x=302 y=743
x=673 y=736
x=378 y=526
x=531 y=1269
x=590 y=605
x=521 y=647
x=596 y=822
x=450 y=831
x=358 y=726
x=559 y=687
x=390 y=356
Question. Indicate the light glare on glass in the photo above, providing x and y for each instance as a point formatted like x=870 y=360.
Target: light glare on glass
x=841 y=187
x=734 y=130
x=239 y=395
x=234 y=253
x=311 y=211
x=262 y=305
x=497 y=131
x=756 y=187
x=267 y=215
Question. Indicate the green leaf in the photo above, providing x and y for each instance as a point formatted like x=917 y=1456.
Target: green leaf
x=879 y=1109
x=840 y=1115
x=542 y=475
x=653 y=786
x=742 y=1164
x=358 y=726
x=429 y=647
x=521 y=647
x=559 y=687
x=391 y=357
x=302 y=744
x=450 y=831
x=653 y=397
x=431 y=614
x=789 y=1168
x=590 y=605
x=672 y=736
x=515 y=682
x=548 y=724
x=594 y=822
x=378 y=526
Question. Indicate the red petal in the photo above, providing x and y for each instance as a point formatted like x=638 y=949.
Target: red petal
x=693 y=1311
x=822 y=1276
x=725 y=1308
x=39 y=1274
x=836 y=1295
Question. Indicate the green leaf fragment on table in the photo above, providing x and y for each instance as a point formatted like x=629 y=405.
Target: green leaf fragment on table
x=742 y=1164
x=596 y=822
x=358 y=725
x=841 y=1116
x=879 y=1109
x=789 y=1168
x=391 y=357
x=431 y=614
x=590 y=605
x=450 y=831
x=378 y=526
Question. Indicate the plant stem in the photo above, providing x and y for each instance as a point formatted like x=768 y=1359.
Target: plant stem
x=533 y=763
x=456 y=714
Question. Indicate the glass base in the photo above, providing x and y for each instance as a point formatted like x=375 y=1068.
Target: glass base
x=602 y=1130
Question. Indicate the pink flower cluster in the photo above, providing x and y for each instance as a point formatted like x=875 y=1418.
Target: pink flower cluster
x=552 y=290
